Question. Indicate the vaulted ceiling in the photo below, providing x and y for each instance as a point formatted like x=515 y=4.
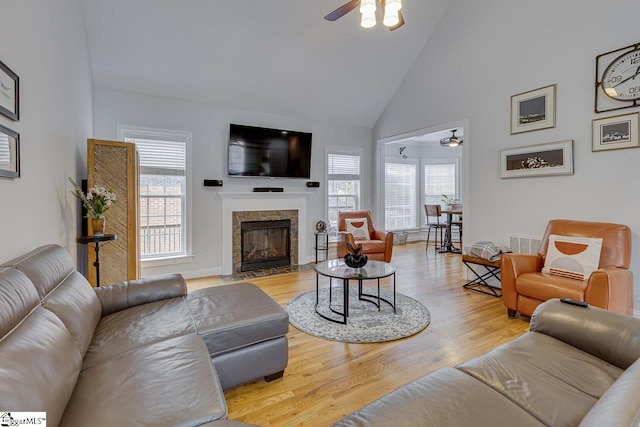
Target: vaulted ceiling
x=273 y=56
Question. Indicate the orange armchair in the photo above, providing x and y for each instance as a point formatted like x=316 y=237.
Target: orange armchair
x=525 y=286
x=377 y=246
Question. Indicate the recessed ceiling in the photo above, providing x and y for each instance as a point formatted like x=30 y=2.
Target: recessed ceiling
x=275 y=56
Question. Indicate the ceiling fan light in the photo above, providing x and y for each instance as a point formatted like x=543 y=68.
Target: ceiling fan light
x=368 y=20
x=393 y=6
x=390 y=19
x=367 y=7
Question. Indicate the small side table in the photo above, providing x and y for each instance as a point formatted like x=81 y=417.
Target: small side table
x=85 y=240
x=322 y=246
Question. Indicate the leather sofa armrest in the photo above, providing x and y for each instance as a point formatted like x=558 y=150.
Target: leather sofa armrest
x=610 y=336
x=512 y=266
x=123 y=295
x=387 y=238
x=382 y=235
x=611 y=288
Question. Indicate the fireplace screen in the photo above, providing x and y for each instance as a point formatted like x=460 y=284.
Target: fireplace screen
x=265 y=244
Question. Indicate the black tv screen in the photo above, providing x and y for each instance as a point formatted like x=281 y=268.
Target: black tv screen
x=270 y=153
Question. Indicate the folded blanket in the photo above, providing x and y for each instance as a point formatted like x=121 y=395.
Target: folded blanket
x=486 y=250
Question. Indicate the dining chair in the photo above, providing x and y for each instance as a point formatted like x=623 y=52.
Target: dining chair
x=434 y=212
x=457 y=220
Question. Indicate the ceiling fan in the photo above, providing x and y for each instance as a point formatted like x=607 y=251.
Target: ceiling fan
x=392 y=16
x=452 y=141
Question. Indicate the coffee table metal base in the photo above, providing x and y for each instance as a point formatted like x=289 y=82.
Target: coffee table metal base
x=373 y=299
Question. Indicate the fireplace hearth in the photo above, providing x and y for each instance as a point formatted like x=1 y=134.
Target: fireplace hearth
x=265 y=244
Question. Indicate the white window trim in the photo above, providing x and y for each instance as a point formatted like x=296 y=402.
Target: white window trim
x=419 y=188
x=125 y=131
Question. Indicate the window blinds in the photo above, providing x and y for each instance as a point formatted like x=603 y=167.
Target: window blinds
x=161 y=157
x=343 y=167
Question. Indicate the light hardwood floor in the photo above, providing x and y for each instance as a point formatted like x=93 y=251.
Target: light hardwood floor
x=327 y=380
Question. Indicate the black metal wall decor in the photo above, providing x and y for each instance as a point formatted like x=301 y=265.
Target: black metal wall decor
x=617 y=84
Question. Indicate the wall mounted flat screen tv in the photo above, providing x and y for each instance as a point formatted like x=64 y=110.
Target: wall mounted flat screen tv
x=269 y=153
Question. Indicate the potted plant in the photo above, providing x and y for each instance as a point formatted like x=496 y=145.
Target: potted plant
x=97 y=201
x=448 y=201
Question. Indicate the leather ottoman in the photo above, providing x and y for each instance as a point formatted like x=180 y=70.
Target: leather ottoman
x=244 y=330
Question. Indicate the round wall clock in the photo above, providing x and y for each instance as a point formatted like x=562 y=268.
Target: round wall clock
x=618 y=79
x=621 y=78
x=321 y=226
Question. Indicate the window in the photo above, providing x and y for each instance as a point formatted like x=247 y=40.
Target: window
x=163 y=191
x=343 y=185
x=440 y=177
x=400 y=196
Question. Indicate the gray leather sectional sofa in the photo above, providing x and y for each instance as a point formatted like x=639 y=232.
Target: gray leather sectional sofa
x=576 y=366
x=134 y=353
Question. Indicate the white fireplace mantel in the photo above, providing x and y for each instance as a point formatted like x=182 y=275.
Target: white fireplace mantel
x=251 y=201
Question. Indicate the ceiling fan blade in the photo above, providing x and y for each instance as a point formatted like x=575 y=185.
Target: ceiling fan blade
x=400 y=22
x=342 y=10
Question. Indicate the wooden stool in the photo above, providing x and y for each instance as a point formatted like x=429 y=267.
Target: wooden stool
x=479 y=284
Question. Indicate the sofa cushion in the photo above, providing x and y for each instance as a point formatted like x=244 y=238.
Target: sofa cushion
x=138 y=326
x=77 y=305
x=555 y=382
x=18 y=298
x=233 y=316
x=169 y=383
x=39 y=366
x=446 y=397
x=46 y=266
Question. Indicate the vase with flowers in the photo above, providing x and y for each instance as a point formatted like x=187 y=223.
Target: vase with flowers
x=97 y=201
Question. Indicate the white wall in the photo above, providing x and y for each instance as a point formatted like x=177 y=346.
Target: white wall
x=484 y=52
x=209 y=125
x=44 y=43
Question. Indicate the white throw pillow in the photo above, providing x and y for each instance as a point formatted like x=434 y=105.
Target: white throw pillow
x=358 y=227
x=572 y=257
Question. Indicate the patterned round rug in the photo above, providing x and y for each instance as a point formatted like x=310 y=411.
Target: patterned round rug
x=365 y=323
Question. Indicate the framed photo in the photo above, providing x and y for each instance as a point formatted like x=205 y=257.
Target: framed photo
x=9 y=93
x=615 y=132
x=554 y=158
x=533 y=110
x=9 y=153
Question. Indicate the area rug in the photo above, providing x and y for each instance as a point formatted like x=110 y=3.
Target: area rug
x=365 y=323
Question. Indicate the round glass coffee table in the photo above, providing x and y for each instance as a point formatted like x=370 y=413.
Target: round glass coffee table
x=337 y=269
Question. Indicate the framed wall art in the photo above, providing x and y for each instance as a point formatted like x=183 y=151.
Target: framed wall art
x=9 y=93
x=612 y=133
x=554 y=158
x=9 y=153
x=533 y=110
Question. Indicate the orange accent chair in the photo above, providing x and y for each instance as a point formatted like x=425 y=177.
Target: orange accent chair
x=524 y=286
x=378 y=246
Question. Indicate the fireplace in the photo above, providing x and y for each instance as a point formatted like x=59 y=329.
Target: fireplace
x=265 y=244
x=268 y=216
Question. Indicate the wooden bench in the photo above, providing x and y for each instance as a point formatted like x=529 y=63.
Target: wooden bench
x=479 y=284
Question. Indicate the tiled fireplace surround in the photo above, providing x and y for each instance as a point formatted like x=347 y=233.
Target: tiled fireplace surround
x=240 y=217
x=250 y=206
